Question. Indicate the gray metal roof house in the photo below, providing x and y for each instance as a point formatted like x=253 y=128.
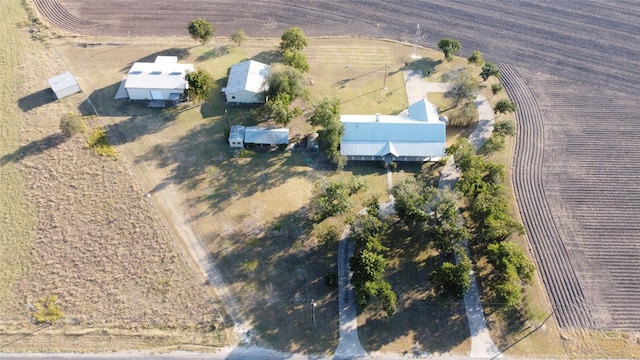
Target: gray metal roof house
x=247 y=82
x=240 y=135
x=418 y=136
x=64 y=85
x=163 y=79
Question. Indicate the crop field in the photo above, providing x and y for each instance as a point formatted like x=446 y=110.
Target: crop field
x=573 y=69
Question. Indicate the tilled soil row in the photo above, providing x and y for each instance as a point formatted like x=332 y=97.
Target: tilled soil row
x=552 y=258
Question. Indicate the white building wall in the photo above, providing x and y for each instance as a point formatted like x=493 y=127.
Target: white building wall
x=61 y=93
x=145 y=94
x=244 y=97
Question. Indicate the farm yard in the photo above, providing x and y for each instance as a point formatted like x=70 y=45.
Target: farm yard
x=579 y=62
x=571 y=68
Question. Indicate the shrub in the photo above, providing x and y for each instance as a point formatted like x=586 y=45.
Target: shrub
x=98 y=141
x=71 y=124
x=493 y=144
x=246 y=153
x=505 y=128
x=47 y=311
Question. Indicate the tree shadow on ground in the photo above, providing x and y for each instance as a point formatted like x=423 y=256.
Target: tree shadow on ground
x=37 y=99
x=213 y=53
x=276 y=271
x=436 y=323
x=268 y=57
x=139 y=119
x=202 y=159
x=181 y=53
x=35 y=147
x=426 y=65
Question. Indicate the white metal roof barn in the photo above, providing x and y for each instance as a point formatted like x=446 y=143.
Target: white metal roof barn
x=163 y=79
x=247 y=82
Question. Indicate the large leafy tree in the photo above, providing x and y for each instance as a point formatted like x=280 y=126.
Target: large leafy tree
x=296 y=59
x=464 y=88
x=409 y=202
x=201 y=30
x=200 y=83
x=452 y=279
x=279 y=108
x=285 y=80
x=507 y=256
x=326 y=114
x=449 y=47
x=293 y=38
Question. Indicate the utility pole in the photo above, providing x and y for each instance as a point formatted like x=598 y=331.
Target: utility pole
x=313 y=312
x=226 y=116
x=386 y=70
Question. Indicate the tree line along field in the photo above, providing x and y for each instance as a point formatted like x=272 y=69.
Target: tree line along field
x=571 y=65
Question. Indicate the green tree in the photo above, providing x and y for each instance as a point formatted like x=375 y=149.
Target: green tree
x=452 y=279
x=279 y=108
x=239 y=37
x=326 y=114
x=285 y=80
x=507 y=256
x=509 y=294
x=505 y=128
x=409 y=201
x=476 y=58
x=295 y=59
x=449 y=47
x=496 y=88
x=493 y=144
x=330 y=199
x=201 y=30
x=47 y=311
x=464 y=88
x=490 y=69
x=200 y=85
x=293 y=38
x=504 y=106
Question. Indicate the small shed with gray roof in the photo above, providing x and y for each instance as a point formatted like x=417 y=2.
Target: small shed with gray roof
x=247 y=81
x=64 y=85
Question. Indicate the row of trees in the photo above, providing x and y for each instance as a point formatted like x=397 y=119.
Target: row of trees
x=482 y=184
x=202 y=31
x=368 y=263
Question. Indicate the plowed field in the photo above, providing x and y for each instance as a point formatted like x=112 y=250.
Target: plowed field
x=574 y=69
